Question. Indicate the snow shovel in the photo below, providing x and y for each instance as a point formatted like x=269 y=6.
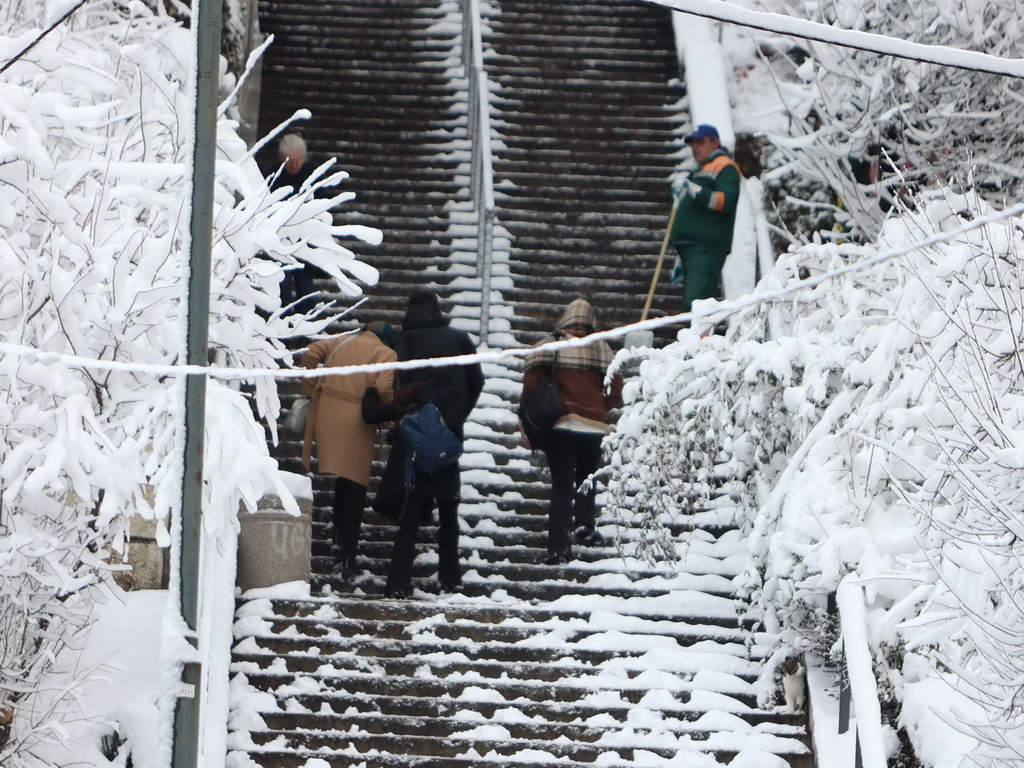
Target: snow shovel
x=645 y=338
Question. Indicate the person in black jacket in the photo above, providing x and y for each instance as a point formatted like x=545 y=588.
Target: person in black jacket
x=454 y=389
x=295 y=169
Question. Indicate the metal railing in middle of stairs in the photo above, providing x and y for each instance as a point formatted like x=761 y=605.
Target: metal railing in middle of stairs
x=481 y=165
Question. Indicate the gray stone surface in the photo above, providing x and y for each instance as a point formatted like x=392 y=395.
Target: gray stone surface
x=149 y=562
x=273 y=545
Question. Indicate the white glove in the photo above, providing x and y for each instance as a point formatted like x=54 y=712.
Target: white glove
x=688 y=188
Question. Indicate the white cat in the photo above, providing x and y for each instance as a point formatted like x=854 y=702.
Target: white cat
x=794 y=684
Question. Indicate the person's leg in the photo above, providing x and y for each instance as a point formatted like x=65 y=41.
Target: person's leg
x=390 y=494
x=304 y=288
x=287 y=287
x=562 y=462
x=349 y=502
x=449 y=573
x=399 y=582
x=588 y=459
x=703 y=275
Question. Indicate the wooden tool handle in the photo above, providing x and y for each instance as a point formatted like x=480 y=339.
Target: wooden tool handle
x=661 y=258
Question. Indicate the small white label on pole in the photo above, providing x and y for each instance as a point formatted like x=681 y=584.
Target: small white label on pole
x=186 y=691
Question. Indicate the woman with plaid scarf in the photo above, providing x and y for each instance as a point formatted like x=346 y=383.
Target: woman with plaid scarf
x=573 y=448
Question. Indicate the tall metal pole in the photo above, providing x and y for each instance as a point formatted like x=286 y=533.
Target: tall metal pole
x=207 y=16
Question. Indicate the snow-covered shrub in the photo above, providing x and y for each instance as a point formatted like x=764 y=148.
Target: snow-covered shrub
x=94 y=190
x=930 y=121
x=877 y=435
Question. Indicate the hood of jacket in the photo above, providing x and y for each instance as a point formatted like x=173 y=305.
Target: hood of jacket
x=578 y=319
x=423 y=316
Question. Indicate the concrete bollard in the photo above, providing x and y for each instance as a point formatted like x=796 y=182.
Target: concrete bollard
x=273 y=545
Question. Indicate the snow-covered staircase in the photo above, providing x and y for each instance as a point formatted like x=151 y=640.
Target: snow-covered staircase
x=604 y=661
x=383 y=80
x=589 y=115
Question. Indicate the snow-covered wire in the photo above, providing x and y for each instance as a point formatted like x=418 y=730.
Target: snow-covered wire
x=715 y=313
x=974 y=61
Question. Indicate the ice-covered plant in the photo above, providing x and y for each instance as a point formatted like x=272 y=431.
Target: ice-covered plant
x=877 y=434
x=94 y=153
x=914 y=121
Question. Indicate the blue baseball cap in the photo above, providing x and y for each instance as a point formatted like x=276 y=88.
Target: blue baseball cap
x=700 y=132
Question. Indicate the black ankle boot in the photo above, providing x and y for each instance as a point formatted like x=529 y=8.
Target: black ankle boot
x=345 y=565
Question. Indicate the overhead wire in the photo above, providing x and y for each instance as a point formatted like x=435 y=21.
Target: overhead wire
x=713 y=313
x=871 y=42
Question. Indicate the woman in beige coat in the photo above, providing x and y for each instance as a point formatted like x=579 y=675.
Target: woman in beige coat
x=344 y=442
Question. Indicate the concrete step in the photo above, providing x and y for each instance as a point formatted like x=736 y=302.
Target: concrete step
x=607 y=659
x=277 y=758
x=519 y=84
x=474 y=585
x=620 y=16
x=595 y=61
x=399 y=48
x=527 y=569
x=325 y=662
x=455 y=747
x=298 y=14
x=568 y=690
x=374 y=722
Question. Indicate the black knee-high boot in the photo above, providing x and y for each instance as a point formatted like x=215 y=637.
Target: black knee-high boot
x=349 y=502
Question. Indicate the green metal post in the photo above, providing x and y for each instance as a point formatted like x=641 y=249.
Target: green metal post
x=207 y=16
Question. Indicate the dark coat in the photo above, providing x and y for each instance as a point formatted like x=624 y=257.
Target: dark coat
x=454 y=389
x=293 y=180
x=426 y=334
x=344 y=441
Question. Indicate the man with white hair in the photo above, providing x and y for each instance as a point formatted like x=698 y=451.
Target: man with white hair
x=292 y=154
x=297 y=283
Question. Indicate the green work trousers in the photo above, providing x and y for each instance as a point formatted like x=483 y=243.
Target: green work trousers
x=700 y=271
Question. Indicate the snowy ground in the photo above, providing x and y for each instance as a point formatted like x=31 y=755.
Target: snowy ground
x=120 y=690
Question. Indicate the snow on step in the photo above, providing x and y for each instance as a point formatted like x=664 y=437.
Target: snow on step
x=456 y=668
x=607 y=660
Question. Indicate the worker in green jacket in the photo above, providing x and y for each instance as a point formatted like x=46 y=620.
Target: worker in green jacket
x=706 y=211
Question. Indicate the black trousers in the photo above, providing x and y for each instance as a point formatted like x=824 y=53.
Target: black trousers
x=572 y=457
x=349 y=502
x=449 y=573
x=297 y=285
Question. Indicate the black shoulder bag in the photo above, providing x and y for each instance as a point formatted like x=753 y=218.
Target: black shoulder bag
x=540 y=410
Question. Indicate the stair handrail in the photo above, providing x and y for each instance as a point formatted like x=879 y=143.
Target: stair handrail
x=765 y=258
x=481 y=163
x=249 y=97
x=858 y=685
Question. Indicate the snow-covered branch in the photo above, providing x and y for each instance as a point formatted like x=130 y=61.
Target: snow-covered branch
x=878 y=129
x=91 y=237
x=879 y=435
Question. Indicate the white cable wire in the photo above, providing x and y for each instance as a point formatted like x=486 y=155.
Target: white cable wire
x=716 y=312
x=946 y=56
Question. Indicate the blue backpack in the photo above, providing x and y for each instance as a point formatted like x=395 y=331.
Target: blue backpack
x=430 y=443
